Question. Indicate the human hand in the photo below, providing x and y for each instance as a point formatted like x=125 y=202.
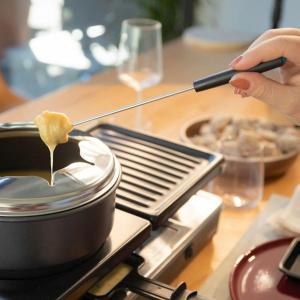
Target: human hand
x=284 y=95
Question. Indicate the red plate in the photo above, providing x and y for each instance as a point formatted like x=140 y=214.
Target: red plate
x=256 y=276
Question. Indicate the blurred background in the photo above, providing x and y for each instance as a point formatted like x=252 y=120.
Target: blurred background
x=45 y=45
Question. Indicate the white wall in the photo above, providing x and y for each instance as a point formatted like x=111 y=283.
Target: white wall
x=246 y=15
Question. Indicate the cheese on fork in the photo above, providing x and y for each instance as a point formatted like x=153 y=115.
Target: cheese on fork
x=53 y=127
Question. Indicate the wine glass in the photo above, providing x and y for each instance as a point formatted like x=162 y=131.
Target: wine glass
x=140 y=58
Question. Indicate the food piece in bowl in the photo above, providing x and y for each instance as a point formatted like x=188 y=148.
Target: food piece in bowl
x=267 y=134
x=288 y=142
x=54 y=128
x=269 y=149
x=230 y=147
x=246 y=124
x=248 y=143
x=218 y=124
x=290 y=130
x=206 y=129
x=265 y=124
x=197 y=140
x=229 y=132
x=209 y=140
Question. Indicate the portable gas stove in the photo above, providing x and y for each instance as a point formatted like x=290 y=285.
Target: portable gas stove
x=161 y=221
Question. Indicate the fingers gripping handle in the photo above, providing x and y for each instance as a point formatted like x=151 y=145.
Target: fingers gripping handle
x=225 y=76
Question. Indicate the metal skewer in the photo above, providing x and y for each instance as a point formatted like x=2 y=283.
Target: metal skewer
x=201 y=84
x=130 y=106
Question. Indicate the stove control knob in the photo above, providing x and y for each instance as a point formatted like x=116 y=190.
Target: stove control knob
x=189 y=252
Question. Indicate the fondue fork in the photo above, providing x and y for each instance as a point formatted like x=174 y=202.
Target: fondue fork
x=201 y=84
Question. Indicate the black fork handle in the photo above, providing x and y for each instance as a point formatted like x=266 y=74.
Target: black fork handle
x=225 y=76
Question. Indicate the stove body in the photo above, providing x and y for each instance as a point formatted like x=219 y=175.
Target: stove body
x=160 y=189
x=190 y=218
x=173 y=246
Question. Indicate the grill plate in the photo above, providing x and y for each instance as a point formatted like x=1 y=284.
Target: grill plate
x=159 y=175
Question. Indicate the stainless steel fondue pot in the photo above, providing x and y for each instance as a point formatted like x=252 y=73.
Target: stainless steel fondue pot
x=44 y=229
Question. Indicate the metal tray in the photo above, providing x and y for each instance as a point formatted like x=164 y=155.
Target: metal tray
x=159 y=175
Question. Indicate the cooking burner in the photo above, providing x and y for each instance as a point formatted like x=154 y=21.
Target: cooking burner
x=128 y=233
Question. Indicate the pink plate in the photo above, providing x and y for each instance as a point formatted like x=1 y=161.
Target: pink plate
x=256 y=276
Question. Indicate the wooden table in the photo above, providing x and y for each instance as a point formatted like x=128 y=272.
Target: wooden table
x=183 y=63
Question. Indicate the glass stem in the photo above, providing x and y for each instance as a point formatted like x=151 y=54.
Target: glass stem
x=139 y=115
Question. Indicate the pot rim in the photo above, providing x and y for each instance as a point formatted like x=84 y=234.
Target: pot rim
x=76 y=185
x=56 y=214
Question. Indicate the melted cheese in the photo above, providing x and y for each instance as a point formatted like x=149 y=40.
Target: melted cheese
x=53 y=128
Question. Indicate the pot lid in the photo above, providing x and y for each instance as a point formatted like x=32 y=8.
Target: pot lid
x=76 y=184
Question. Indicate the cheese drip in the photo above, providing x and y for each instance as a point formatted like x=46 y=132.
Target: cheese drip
x=53 y=128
